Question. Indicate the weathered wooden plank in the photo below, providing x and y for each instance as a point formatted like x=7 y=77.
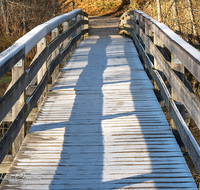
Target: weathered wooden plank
x=106 y=187
x=113 y=168
x=111 y=143
x=95 y=170
x=129 y=141
x=113 y=161
x=65 y=155
x=54 y=162
x=100 y=150
x=148 y=177
x=100 y=147
x=114 y=133
x=88 y=182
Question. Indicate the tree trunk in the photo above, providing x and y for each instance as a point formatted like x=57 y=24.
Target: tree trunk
x=158 y=10
x=24 y=16
x=4 y=17
x=175 y=17
x=192 y=28
x=131 y=3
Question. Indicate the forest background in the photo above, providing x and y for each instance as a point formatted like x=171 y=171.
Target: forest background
x=17 y=17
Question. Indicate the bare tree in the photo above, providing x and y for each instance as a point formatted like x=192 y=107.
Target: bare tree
x=24 y=16
x=4 y=17
x=131 y=3
x=192 y=28
x=158 y=10
x=175 y=17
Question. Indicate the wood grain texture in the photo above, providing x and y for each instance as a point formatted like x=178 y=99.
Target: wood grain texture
x=101 y=127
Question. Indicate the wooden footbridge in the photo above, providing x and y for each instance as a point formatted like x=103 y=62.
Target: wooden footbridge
x=100 y=125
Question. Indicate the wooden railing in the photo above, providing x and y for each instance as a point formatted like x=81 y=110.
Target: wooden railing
x=152 y=39
x=66 y=32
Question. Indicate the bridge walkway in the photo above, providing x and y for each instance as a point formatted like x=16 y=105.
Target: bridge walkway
x=101 y=127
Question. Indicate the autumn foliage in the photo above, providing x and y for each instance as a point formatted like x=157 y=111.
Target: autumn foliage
x=93 y=7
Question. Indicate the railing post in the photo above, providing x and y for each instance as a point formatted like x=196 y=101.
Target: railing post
x=40 y=46
x=73 y=21
x=148 y=33
x=17 y=71
x=157 y=42
x=82 y=28
x=125 y=19
x=142 y=25
x=78 y=30
x=178 y=67
x=132 y=19
x=85 y=27
x=54 y=34
x=66 y=42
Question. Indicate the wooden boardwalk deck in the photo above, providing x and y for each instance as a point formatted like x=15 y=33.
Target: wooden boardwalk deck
x=101 y=127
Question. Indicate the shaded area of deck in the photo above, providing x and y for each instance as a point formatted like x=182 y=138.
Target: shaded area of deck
x=101 y=127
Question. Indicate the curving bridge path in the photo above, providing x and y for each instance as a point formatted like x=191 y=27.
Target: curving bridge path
x=101 y=127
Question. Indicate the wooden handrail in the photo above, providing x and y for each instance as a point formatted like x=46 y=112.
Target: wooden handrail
x=140 y=27
x=12 y=55
x=21 y=47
